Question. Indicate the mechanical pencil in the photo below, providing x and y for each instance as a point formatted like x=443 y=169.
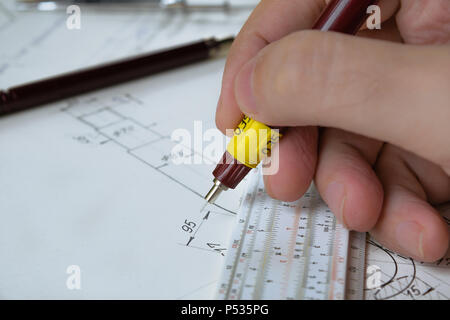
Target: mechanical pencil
x=252 y=139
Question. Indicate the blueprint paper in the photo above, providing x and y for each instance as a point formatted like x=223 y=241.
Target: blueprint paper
x=89 y=182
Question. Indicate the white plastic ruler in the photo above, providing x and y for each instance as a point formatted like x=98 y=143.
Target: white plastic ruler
x=293 y=250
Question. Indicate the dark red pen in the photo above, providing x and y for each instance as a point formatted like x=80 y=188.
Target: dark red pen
x=67 y=85
x=253 y=140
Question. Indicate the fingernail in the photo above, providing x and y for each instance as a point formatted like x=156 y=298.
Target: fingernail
x=334 y=196
x=244 y=89
x=410 y=236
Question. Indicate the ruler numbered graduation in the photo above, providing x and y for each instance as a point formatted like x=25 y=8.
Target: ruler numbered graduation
x=293 y=250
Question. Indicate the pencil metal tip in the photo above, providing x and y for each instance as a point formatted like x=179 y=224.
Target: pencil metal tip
x=215 y=191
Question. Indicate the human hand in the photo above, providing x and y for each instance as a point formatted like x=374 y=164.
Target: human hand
x=381 y=158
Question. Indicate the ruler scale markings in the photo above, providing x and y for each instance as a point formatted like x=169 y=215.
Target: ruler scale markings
x=250 y=257
x=253 y=253
x=357 y=266
x=238 y=235
x=300 y=263
x=262 y=280
x=337 y=282
x=311 y=218
x=331 y=246
x=276 y=267
x=289 y=250
x=244 y=257
x=307 y=247
x=332 y=274
x=303 y=236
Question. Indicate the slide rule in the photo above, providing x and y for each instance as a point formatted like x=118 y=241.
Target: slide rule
x=296 y=250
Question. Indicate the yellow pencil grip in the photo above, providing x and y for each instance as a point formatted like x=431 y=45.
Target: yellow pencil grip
x=252 y=141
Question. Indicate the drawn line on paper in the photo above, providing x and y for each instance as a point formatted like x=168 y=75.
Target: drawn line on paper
x=94 y=120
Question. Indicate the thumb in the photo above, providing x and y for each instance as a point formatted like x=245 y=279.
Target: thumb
x=391 y=92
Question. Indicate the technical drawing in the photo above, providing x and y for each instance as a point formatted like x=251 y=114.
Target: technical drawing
x=403 y=278
x=110 y=124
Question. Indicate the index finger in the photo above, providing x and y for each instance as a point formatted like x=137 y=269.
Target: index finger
x=269 y=22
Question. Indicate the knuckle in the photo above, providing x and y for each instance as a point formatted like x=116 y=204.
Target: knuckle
x=426 y=21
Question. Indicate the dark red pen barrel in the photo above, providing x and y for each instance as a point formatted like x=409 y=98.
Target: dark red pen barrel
x=53 y=89
x=229 y=171
x=345 y=16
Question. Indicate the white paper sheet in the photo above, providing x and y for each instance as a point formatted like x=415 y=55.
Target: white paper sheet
x=87 y=182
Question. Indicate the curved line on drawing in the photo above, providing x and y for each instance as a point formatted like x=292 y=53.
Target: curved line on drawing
x=409 y=284
x=392 y=279
x=232 y=212
x=393 y=260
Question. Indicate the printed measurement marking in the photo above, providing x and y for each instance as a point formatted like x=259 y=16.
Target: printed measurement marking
x=287 y=250
x=110 y=125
